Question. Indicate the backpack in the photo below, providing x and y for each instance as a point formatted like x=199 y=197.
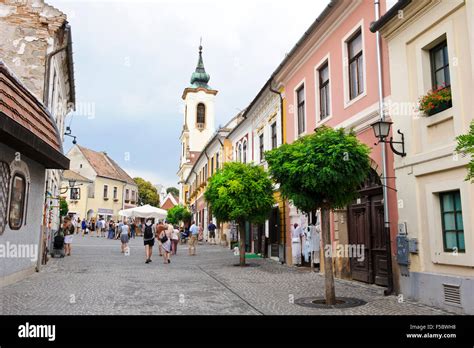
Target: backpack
x=148 y=232
x=164 y=239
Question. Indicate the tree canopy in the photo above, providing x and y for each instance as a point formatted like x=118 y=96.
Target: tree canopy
x=174 y=191
x=147 y=193
x=466 y=147
x=321 y=169
x=240 y=192
x=178 y=214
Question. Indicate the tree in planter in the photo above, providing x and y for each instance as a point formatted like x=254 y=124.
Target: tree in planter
x=240 y=192
x=178 y=214
x=466 y=147
x=321 y=171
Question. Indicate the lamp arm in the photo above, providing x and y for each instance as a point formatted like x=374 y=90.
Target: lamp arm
x=402 y=142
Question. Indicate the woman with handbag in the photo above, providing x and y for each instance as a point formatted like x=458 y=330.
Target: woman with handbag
x=165 y=239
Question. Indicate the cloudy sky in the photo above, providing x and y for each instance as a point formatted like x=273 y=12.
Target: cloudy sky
x=134 y=58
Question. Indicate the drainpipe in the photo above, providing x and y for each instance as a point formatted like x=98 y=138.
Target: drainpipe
x=389 y=289
x=282 y=141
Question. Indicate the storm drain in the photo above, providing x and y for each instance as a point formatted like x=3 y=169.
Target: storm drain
x=320 y=302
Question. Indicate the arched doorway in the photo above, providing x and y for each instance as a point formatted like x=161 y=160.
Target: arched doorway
x=366 y=228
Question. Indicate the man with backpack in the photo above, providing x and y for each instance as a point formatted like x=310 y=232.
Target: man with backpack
x=212 y=233
x=148 y=240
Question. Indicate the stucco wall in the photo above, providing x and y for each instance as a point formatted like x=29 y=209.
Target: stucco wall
x=29 y=234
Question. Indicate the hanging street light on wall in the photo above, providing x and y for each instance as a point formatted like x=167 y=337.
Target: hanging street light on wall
x=382 y=130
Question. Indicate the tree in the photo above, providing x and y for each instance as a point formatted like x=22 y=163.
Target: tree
x=466 y=147
x=240 y=192
x=174 y=191
x=321 y=171
x=63 y=207
x=178 y=214
x=147 y=193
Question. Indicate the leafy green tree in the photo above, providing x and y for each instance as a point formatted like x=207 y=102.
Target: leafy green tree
x=174 y=191
x=321 y=171
x=466 y=147
x=63 y=207
x=240 y=192
x=178 y=214
x=147 y=193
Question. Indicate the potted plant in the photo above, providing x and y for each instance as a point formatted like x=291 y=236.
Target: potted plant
x=436 y=100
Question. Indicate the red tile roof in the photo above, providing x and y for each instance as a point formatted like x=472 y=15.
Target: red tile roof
x=105 y=166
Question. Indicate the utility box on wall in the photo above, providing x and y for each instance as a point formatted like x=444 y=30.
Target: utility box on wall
x=402 y=250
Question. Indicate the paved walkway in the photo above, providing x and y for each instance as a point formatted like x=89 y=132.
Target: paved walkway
x=98 y=279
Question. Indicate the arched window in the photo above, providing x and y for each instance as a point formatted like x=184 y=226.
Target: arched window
x=4 y=186
x=245 y=152
x=240 y=153
x=201 y=114
x=17 y=201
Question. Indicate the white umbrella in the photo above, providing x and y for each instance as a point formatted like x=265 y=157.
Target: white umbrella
x=145 y=211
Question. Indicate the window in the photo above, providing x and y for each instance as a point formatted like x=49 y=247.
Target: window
x=206 y=172
x=245 y=152
x=260 y=146
x=4 y=185
x=324 y=102
x=451 y=216
x=17 y=201
x=115 y=193
x=301 y=116
x=106 y=191
x=440 y=65
x=356 y=78
x=133 y=196
x=274 y=135
x=127 y=195
x=212 y=165
x=217 y=161
x=201 y=114
x=239 y=158
x=75 y=193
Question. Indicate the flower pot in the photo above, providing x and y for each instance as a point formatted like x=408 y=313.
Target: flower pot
x=439 y=108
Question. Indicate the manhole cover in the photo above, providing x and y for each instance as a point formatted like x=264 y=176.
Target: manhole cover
x=320 y=302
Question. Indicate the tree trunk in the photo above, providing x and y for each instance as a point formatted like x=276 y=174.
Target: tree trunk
x=242 y=242
x=328 y=274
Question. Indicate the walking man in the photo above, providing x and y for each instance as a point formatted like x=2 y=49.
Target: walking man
x=194 y=230
x=83 y=226
x=212 y=233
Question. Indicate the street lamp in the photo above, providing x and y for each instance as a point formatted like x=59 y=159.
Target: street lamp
x=382 y=130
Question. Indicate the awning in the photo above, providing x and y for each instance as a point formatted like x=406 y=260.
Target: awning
x=145 y=211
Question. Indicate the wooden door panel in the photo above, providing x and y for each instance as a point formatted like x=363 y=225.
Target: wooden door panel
x=358 y=234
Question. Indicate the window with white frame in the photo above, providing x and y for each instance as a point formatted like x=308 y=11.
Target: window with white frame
x=261 y=146
x=324 y=101
x=274 y=135
x=300 y=101
x=244 y=149
x=17 y=201
x=355 y=63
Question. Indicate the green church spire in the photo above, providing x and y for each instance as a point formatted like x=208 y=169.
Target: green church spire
x=200 y=77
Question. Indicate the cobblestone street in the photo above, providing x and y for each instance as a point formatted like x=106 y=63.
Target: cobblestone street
x=98 y=279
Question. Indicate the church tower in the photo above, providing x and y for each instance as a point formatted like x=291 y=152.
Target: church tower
x=198 y=121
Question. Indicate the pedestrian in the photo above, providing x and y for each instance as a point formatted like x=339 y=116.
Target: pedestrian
x=78 y=225
x=92 y=227
x=194 y=230
x=102 y=227
x=174 y=240
x=212 y=233
x=118 y=229
x=148 y=240
x=68 y=230
x=83 y=226
x=133 y=226
x=160 y=227
x=124 y=236
x=165 y=239
x=296 y=235
x=111 y=230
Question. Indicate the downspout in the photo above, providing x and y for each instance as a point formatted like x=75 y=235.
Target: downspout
x=47 y=73
x=389 y=289
x=282 y=141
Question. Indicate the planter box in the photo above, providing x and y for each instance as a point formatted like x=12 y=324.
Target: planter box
x=439 y=108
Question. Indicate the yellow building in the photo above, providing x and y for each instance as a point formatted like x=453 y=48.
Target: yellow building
x=431 y=47
x=102 y=187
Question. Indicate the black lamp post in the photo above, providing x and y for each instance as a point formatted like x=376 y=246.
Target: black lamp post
x=382 y=130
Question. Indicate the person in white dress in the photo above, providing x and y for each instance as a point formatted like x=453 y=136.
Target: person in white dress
x=296 y=241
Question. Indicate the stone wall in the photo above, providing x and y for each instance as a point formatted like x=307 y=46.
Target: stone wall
x=30 y=29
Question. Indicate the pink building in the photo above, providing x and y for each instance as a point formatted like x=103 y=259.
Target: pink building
x=330 y=78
